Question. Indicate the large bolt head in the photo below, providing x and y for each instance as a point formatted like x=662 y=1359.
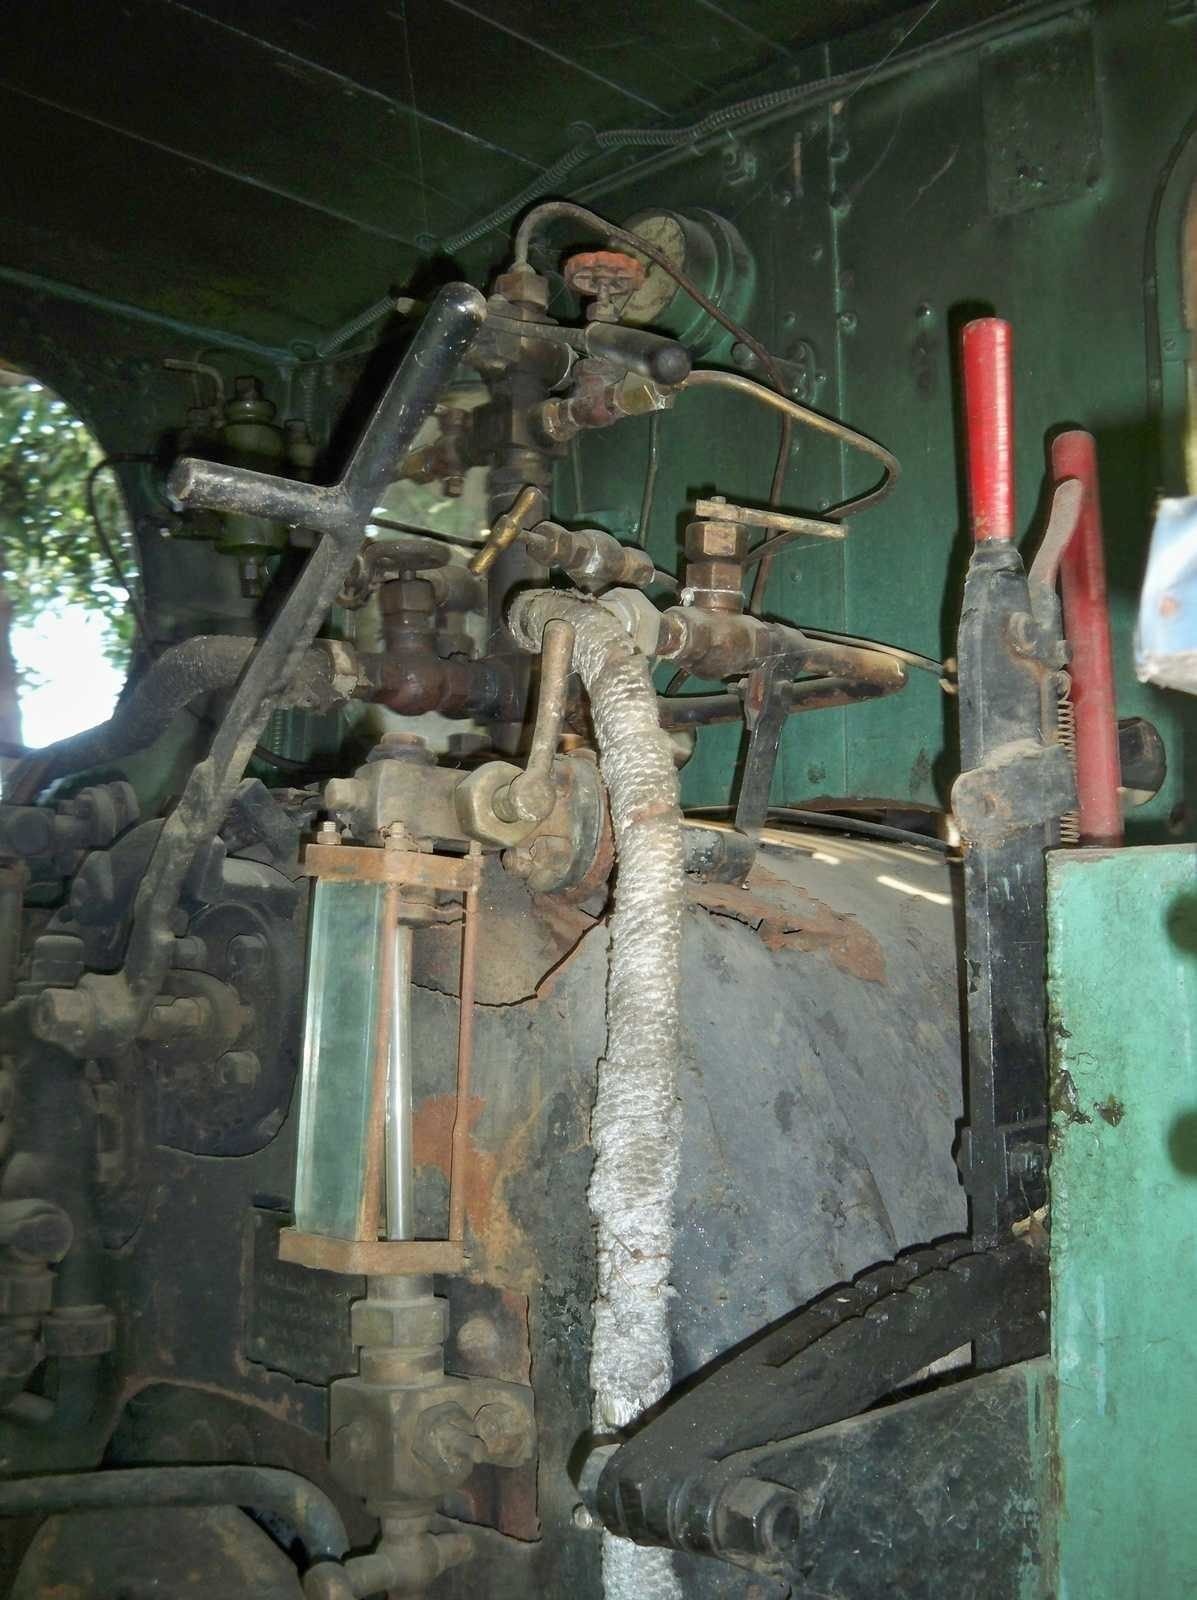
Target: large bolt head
x=505 y=1431
x=445 y=1441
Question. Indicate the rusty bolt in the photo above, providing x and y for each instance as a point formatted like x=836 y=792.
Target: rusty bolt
x=478 y=1337
x=523 y=286
x=505 y=1431
x=189 y=951
x=720 y=541
x=328 y=833
x=445 y=1441
x=186 y=1014
x=1020 y=631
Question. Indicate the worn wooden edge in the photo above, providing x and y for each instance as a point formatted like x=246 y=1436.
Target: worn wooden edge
x=372 y=864
x=369 y=1256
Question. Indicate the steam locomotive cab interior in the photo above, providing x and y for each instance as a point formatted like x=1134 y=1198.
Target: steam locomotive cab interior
x=609 y=1013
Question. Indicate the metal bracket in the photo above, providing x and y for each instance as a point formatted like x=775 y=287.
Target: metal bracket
x=766 y=707
x=1020 y=785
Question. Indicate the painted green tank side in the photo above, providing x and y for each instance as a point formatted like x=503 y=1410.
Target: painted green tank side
x=1041 y=176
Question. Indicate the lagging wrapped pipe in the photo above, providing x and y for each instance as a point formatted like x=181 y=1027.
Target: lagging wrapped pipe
x=635 y=1128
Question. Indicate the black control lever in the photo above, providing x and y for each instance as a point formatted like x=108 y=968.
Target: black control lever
x=652 y=355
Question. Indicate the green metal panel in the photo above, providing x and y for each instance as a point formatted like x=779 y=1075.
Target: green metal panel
x=1029 y=176
x=1123 y=987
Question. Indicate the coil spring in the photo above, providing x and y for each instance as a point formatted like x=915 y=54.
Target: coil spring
x=1070 y=822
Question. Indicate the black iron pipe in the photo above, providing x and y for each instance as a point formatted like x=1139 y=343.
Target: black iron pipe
x=298 y=1502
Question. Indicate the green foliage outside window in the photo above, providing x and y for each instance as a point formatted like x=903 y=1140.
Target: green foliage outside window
x=49 y=549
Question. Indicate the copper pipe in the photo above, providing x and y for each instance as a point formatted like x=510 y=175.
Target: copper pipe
x=465 y=1063
x=370 y=1210
x=531 y=795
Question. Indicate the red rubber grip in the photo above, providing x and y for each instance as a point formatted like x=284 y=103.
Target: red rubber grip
x=1087 y=629
x=989 y=426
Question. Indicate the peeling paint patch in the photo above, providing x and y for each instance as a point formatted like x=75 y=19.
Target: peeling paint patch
x=1110 y=1110
x=792 y=919
x=1064 y=1102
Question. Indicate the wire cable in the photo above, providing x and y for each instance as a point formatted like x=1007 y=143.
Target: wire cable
x=835 y=822
x=650 y=477
x=554 y=210
x=710 y=377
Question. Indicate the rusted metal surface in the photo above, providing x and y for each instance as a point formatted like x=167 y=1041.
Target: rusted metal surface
x=364 y=864
x=527 y=937
x=488 y=1332
x=789 y=918
x=369 y=1256
x=415 y=682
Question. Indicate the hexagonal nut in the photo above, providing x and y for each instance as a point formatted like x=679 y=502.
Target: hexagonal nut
x=721 y=541
x=473 y=799
x=399 y=1325
x=523 y=286
x=635 y=612
x=758 y=1518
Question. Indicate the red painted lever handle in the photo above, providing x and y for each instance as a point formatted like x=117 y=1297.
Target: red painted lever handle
x=989 y=425
x=1087 y=629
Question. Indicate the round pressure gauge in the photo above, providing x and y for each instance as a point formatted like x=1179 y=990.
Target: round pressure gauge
x=710 y=251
